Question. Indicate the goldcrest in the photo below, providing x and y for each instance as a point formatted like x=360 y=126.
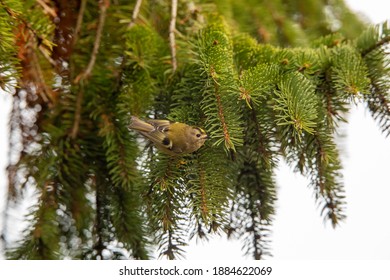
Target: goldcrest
x=172 y=138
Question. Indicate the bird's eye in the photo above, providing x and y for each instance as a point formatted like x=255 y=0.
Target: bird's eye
x=198 y=135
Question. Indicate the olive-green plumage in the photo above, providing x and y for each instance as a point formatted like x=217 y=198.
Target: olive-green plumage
x=172 y=138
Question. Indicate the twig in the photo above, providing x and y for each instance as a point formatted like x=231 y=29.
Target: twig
x=124 y=58
x=79 y=22
x=44 y=52
x=47 y=9
x=77 y=117
x=135 y=13
x=172 y=28
x=98 y=225
x=45 y=93
x=87 y=72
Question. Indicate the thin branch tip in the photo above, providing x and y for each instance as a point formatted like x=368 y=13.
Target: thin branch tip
x=136 y=10
x=172 y=29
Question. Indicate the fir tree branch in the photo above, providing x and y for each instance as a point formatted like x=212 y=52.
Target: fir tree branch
x=202 y=184
x=130 y=75
x=326 y=177
x=120 y=153
x=378 y=44
x=41 y=240
x=255 y=197
x=172 y=29
x=135 y=13
x=257 y=253
x=219 y=102
x=379 y=106
x=125 y=57
x=261 y=145
x=128 y=222
x=39 y=39
x=99 y=245
x=171 y=248
x=15 y=15
x=167 y=205
x=376 y=58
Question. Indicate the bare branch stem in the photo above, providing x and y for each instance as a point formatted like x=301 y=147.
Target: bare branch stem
x=135 y=13
x=47 y=8
x=87 y=72
x=172 y=29
x=79 y=21
x=77 y=117
x=103 y=12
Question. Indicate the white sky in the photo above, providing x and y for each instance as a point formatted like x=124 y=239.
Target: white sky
x=299 y=231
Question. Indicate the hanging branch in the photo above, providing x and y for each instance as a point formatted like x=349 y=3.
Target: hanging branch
x=379 y=106
x=79 y=21
x=124 y=59
x=99 y=243
x=135 y=13
x=374 y=51
x=88 y=71
x=172 y=28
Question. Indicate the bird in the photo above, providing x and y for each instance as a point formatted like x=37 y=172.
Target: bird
x=172 y=138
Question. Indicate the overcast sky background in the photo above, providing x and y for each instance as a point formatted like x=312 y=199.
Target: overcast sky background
x=298 y=231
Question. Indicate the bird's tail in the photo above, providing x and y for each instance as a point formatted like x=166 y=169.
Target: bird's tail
x=140 y=125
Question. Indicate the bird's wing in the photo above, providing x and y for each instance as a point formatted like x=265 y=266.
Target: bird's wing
x=158 y=138
x=154 y=130
x=161 y=125
x=140 y=125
